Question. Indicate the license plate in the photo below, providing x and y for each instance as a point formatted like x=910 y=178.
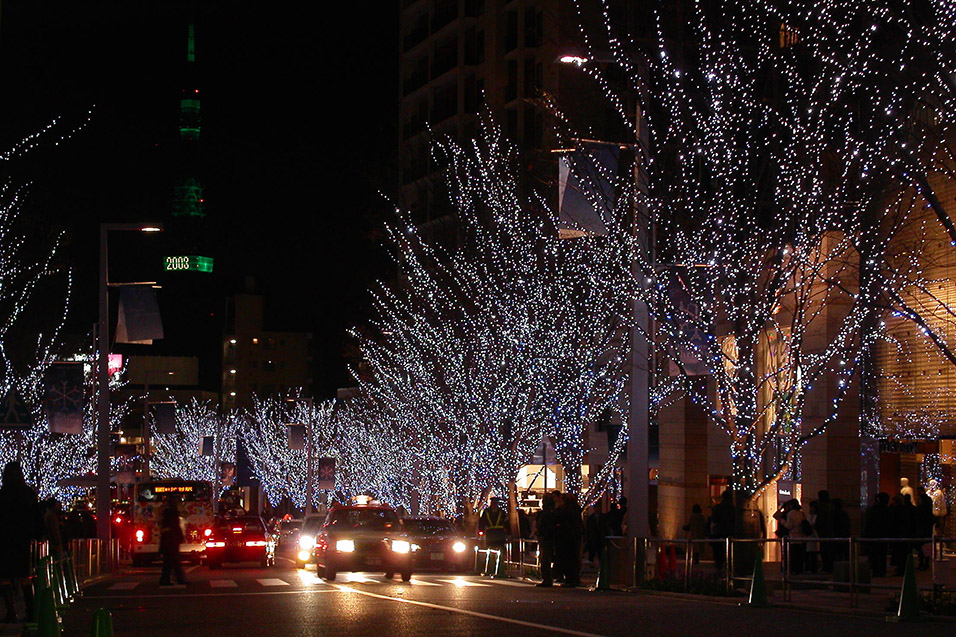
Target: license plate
x=374 y=561
x=438 y=557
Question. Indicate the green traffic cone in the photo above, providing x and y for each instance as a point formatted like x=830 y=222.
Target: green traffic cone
x=758 y=587
x=59 y=586
x=72 y=586
x=48 y=624
x=909 y=595
x=603 y=584
x=102 y=624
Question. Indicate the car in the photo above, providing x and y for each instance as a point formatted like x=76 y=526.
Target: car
x=286 y=535
x=239 y=539
x=311 y=527
x=363 y=538
x=437 y=544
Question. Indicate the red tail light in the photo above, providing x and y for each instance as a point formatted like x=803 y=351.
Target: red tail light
x=140 y=535
x=207 y=532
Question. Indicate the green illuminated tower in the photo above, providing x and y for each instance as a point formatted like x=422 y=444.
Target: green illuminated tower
x=188 y=194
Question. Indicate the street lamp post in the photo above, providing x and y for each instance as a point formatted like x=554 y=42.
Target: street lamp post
x=638 y=418
x=103 y=499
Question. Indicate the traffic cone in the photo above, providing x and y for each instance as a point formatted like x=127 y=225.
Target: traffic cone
x=102 y=624
x=59 y=586
x=48 y=624
x=909 y=595
x=758 y=587
x=603 y=584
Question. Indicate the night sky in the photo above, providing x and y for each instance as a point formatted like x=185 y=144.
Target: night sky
x=299 y=123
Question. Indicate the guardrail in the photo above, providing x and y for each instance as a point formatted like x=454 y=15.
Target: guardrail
x=657 y=558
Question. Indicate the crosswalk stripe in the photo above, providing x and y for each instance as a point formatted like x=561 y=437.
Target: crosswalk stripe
x=504 y=582
x=462 y=583
x=272 y=581
x=123 y=586
x=223 y=583
x=420 y=582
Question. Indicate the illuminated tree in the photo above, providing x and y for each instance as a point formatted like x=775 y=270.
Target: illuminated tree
x=486 y=350
x=179 y=454
x=265 y=433
x=791 y=146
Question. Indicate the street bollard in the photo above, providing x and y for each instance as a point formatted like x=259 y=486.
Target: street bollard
x=48 y=624
x=102 y=624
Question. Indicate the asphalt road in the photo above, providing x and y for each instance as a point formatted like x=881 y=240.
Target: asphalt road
x=287 y=601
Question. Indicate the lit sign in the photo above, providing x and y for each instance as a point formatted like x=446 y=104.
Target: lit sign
x=190 y=263
x=175 y=489
x=115 y=363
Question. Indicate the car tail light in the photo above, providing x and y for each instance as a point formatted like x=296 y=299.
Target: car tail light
x=118 y=520
x=212 y=544
x=237 y=529
x=256 y=543
x=140 y=535
x=207 y=532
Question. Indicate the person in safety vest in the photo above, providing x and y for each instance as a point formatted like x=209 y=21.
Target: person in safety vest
x=492 y=525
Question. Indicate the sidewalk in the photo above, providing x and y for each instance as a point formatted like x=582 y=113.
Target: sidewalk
x=814 y=592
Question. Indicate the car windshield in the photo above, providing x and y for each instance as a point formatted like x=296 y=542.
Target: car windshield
x=291 y=526
x=312 y=524
x=428 y=527
x=366 y=519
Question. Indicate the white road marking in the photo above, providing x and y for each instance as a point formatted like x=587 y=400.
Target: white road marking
x=123 y=586
x=421 y=582
x=272 y=581
x=504 y=582
x=470 y=613
x=223 y=583
x=461 y=582
x=305 y=591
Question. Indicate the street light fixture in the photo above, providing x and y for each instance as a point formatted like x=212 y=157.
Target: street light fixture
x=103 y=496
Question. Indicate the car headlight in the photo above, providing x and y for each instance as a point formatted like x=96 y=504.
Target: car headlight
x=458 y=547
x=306 y=542
x=401 y=546
x=345 y=546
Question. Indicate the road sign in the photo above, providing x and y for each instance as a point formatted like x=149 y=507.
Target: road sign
x=14 y=413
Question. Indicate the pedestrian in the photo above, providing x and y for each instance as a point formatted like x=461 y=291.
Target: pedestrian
x=841 y=529
x=813 y=547
x=792 y=517
x=545 y=526
x=570 y=530
x=696 y=529
x=170 y=537
x=52 y=526
x=876 y=524
x=20 y=524
x=492 y=525
x=723 y=516
x=925 y=521
x=593 y=538
x=824 y=529
x=902 y=518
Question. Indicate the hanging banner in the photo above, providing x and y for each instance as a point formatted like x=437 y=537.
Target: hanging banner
x=327 y=473
x=138 y=320
x=164 y=417
x=586 y=196
x=692 y=344
x=206 y=446
x=63 y=397
x=296 y=436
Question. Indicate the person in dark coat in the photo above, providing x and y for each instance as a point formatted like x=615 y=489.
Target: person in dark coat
x=722 y=520
x=593 y=537
x=824 y=529
x=902 y=525
x=925 y=521
x=568 y=540
x=841 y=528
x=876 y=524
x=20 y=523
x=545 y=526
x=170 y=537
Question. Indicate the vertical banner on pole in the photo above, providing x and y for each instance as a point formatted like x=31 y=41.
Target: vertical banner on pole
x=327 y=473
x=164 y=415
x=63 y=397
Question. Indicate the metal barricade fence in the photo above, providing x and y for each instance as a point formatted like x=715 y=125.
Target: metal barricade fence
x=673 y=559
x=522 y=555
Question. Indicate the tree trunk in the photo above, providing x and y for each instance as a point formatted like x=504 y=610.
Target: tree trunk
x=513 y=508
